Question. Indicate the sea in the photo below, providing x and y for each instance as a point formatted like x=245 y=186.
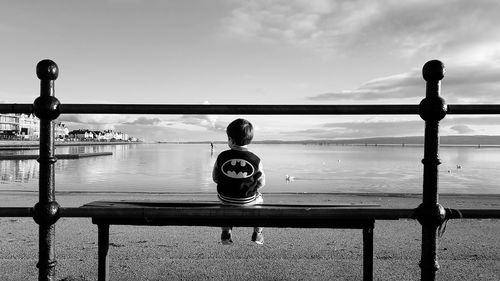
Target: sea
x=289 y=168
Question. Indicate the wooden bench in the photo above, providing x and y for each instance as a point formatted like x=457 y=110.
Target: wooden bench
x=162 y=213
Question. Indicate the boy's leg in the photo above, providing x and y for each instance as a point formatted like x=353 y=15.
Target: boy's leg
x=257 y=235
x=226 y=237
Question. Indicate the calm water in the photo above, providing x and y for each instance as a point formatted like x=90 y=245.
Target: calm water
x=314 y=168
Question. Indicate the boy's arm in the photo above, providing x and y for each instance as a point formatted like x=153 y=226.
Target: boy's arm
x=215 y=172
x=261 y=181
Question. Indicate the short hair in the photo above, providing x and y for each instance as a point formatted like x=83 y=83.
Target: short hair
x=240 y=131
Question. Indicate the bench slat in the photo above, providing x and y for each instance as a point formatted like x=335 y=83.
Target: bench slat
x=166 y=203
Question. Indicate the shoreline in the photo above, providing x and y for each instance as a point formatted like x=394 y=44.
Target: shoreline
x=17 y=145
x=58 y=156
x=5 y=145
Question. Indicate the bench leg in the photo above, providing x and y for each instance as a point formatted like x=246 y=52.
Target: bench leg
x=368 y=254
x=103 y=247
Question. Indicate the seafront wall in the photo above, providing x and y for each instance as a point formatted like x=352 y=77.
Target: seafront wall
x=34 y=144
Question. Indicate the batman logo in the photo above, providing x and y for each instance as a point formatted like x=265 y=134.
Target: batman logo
x=237 y=169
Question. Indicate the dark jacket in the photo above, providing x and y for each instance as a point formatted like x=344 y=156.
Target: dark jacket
x=238 y=174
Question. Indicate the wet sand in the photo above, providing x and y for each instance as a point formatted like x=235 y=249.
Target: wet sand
x=469 y=249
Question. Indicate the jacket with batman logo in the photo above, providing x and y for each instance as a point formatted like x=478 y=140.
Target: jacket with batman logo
x=238 y=174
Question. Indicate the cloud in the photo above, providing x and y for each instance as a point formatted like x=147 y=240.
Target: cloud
x=293 y=21
x=377 y=128
x=404 y=28
x=405 y=85
x=470 y=125
x=478 y=83
x=113 y=121
x=171 y=128
x=356 y=129
x=197 y=120
x=163 y=133
x=93 y=120
x=395 y=127
x=145 y=121
x=462 y=129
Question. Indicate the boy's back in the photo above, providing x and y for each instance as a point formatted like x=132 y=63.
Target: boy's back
x=239 y=174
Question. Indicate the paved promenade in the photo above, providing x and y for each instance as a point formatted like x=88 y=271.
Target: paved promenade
x=469 y=250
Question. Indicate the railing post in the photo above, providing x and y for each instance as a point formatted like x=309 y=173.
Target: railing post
x=102 y=249
x=368 y=252
x=46 y=211
x=430 y=214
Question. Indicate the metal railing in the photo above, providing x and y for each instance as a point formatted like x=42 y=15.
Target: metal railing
x=432 y=109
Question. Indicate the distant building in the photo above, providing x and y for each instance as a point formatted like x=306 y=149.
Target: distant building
x=19 y=126
x=24 y=126
x=9 y=124
x=106 y=135
x=98 y=135
x=110 y=135
x=61 y=131
x=29 y=126
x=81 y=134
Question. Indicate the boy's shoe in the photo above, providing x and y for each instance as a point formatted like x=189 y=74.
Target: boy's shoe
x=225 y=238
x=258 y=238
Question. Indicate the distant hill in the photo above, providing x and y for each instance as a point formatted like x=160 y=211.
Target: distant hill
x=410 y=140
x=445 y=140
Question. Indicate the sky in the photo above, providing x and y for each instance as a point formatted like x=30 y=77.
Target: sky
x=254 y=52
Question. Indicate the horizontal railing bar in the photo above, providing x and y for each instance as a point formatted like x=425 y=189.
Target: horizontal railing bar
x=477 y=214
x=221 y=213
x=266 y=109
x=26 y=108
x=349 y=213
x=473 y=109
x=363 y=213
x=256 y=109
x=16 y=212
x=316 y=109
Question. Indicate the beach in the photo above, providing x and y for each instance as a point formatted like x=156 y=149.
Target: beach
x=468 y=250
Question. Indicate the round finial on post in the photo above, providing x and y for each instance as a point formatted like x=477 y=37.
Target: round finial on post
x=433 y=70
x=434 y=215
x=46 y=214
x=46 y=107
x=432 y=109
x=47 y=70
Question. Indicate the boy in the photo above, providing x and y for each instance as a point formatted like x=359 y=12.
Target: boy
x=239 y=175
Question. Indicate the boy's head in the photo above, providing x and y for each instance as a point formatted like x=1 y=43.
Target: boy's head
x=240 y=131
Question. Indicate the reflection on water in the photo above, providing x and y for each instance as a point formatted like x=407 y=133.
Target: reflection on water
x=27 y=171
x=310 y=168
x=18 y=171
